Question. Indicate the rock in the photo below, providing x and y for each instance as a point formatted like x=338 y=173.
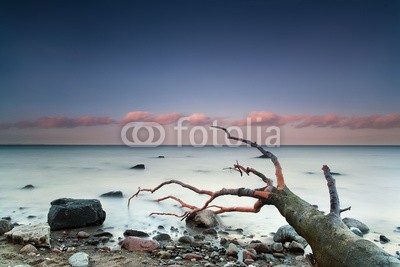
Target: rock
x=278 y=255
x=296 y=247
x=138 y=167
x=335 y=173
x=130 y=232
x=67 y=213
x=112 y=194
x=28 y=249
x=350 y=222
x=37 y=234
x=161 y=157
x=186 y=239
x=5 y=226
x=79 y=259
x=356 y=231
x=103 y=234
x=260 y=248
x=249 y=254
x=82 y=234
x=202 y=219
x=210 y=231
x=28 y=186
x=165 y=255
x=286 y=233
x=132 y=243
x=277 y=247
x=383 y=239
x=232 y=250
x=190 y=256
x=162 y=237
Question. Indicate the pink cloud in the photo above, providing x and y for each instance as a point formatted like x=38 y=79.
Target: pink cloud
x=328 y=120
x=199 y=119
x=60 y=122
x=267 y=118
x=166 y=118
x=377 y=121
x=391 y=120
x=135 y=116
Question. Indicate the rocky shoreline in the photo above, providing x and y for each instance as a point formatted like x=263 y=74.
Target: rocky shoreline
x=74 y=236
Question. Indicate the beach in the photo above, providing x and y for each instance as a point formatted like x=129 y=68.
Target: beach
x=367 y=180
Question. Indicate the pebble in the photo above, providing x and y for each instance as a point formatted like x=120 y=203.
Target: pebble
x=82 y=234
x=232 y=250
x=383 y=239
x=79 y=259
x=277 y=247
x=27 y=249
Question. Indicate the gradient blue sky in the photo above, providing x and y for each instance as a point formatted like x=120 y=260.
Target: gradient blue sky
x=220 y=58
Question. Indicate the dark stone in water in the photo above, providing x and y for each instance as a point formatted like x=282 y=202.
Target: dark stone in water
x=102 y=234
x=5 y=226
x=8 y=218
x=29 y=186
x=66 y=213
x=112 y=194
x=138 y=167
x=137 y=233
x=383 y=239
x=203 y=219
x=31 y=216
x=350 y=222
x=162 y=237
x=357 y=232
x=161 y=157
x=335 y=173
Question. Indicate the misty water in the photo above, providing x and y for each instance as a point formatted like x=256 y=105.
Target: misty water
x=369 y=183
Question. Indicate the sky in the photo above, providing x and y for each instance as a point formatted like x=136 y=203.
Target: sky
x=76 y=72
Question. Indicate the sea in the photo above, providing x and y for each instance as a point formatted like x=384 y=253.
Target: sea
x=369 y=182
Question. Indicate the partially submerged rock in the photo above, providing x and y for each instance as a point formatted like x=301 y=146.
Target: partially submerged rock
x=350 y=222
x=117 y=194
x=67 y=213
x=202 y=219
x=37 y=234
x=5 y=226
x=286 y=233
x=138 y=167
x=28 y=186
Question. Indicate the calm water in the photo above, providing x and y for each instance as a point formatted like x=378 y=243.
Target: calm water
x=370 y=182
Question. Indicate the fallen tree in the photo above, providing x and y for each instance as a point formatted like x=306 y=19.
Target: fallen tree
x=332 y=243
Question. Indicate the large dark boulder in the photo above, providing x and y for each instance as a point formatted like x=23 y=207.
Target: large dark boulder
x=67 y=213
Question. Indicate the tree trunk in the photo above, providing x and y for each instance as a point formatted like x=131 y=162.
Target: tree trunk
x=332 y=242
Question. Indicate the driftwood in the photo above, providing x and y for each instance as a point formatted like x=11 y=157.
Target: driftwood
x=332 y=243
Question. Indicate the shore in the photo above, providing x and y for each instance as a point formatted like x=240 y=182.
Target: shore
x=177 y=248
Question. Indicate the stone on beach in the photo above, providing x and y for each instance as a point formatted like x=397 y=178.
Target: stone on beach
x=350 y=222
x=286 y=233
x=132 y=243
x=37 y=234
x=202 y=219
x=5 y=226
x=28 y=249
x=130 y=232
x=79 y=259
x=66 y=213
